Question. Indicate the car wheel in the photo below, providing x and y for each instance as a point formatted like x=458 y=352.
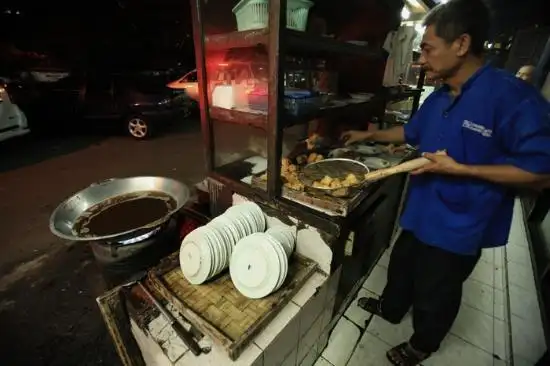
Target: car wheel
x=138 y=128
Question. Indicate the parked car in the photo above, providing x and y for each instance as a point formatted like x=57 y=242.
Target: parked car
x=188 y=83
x=13 y=121
x=247 y=67
x=139 y=105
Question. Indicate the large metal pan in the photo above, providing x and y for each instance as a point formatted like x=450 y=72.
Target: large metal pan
x=65 y=216
x=334 y=168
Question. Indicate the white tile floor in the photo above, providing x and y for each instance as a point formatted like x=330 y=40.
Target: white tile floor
x=501 y=284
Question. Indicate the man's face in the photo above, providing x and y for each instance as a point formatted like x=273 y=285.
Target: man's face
x=440 y=59
x=526 y=73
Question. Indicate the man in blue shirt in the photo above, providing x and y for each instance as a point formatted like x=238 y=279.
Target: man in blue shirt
x=494 y=131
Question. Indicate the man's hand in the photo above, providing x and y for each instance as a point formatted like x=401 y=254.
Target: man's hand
x=350 y=137
x=440 y=163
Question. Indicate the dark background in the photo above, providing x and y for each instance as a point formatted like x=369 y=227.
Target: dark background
x=155 y=34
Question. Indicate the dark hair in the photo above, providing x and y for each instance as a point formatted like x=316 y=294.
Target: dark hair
x=458 y=17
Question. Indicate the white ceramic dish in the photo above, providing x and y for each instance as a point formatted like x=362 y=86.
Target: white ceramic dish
x=283 y=262
x=196 y=257
x=376 y=163
x=255 y=267
x=367 y=150
x=285 y=236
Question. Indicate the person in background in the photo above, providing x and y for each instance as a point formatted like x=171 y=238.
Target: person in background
x=495 y=133
x=525 y=73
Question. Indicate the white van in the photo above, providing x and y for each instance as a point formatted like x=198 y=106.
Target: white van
x=13 y=121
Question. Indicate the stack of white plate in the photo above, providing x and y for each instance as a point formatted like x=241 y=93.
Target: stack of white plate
x=241 y=220
x=285 y=235
x=259 y=265
x=205 y=252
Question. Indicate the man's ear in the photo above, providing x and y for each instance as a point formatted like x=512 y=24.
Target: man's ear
x=463 y=44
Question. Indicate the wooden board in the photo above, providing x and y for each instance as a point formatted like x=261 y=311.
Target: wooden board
x=114 y=312
x=218 y=310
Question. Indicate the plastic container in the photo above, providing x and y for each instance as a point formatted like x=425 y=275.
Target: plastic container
x=296 y=102
x=254 y=14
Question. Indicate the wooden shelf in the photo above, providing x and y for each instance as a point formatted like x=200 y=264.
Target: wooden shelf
x=298 y=42
x=241 y=117
x=301 y=41
x=409 y=93
x=220 y=42
x=259 y=120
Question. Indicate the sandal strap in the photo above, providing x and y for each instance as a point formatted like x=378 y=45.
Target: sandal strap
x=406 y=356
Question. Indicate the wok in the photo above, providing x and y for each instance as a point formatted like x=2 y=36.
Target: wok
x=65 y=216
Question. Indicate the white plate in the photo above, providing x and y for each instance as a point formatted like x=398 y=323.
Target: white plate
x=246 y=218
x=376 y=163
x=254 y=267
x=218 y=257
x=196 y=257
x=367 y=150
x=252 y=212
x=283 y=262
x=229 y=226
x=258 y=214
x=225 y=232
x=282 y=235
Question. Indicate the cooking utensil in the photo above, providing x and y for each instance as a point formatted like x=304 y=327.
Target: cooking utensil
x=334 y=168
x=64 y=217
x=400 y=168
x=183 y=334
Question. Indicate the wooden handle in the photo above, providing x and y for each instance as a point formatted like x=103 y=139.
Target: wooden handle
x=401 y=168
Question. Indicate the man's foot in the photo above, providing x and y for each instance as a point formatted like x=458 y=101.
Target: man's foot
x=373 y=306
x=405 y=355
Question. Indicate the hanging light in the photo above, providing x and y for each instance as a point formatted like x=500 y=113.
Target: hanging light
x=405 y=13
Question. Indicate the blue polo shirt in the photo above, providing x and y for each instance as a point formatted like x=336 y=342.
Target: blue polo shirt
x=497 y=119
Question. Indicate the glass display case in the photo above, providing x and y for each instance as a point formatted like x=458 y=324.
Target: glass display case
x=269 y=70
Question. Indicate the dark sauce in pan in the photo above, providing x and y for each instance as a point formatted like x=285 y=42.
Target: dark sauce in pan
x=124 y=213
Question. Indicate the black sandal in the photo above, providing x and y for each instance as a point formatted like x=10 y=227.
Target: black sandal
x=373 y=306
x=405 y=355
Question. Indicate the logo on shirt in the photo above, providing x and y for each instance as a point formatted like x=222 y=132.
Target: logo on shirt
x=485 y=132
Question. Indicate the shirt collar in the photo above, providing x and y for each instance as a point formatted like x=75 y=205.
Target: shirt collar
x=482 y=70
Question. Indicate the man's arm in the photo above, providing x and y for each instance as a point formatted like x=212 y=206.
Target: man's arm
x=526 y=138
x=507 y=174
x=394 y=134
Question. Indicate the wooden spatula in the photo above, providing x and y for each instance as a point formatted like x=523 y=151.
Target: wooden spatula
x=401 y=168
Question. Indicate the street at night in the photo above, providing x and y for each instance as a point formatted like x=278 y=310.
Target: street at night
x=275 y=183
x=46 y=278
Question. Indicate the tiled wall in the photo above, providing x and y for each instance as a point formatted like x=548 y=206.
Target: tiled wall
x=528 y=343
x=300 y=331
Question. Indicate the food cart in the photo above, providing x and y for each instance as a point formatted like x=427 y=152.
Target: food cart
x=278 y=83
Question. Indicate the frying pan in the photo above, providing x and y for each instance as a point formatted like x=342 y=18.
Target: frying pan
x=66 y=215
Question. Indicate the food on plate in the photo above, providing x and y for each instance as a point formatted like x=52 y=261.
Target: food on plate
x=351 y=179
x=393 y=149
x=326 y=181
x=314 y=157
x=289 y=173
x=301 y=159
x=312 y=141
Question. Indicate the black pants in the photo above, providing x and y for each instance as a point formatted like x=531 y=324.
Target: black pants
x=430 y=280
